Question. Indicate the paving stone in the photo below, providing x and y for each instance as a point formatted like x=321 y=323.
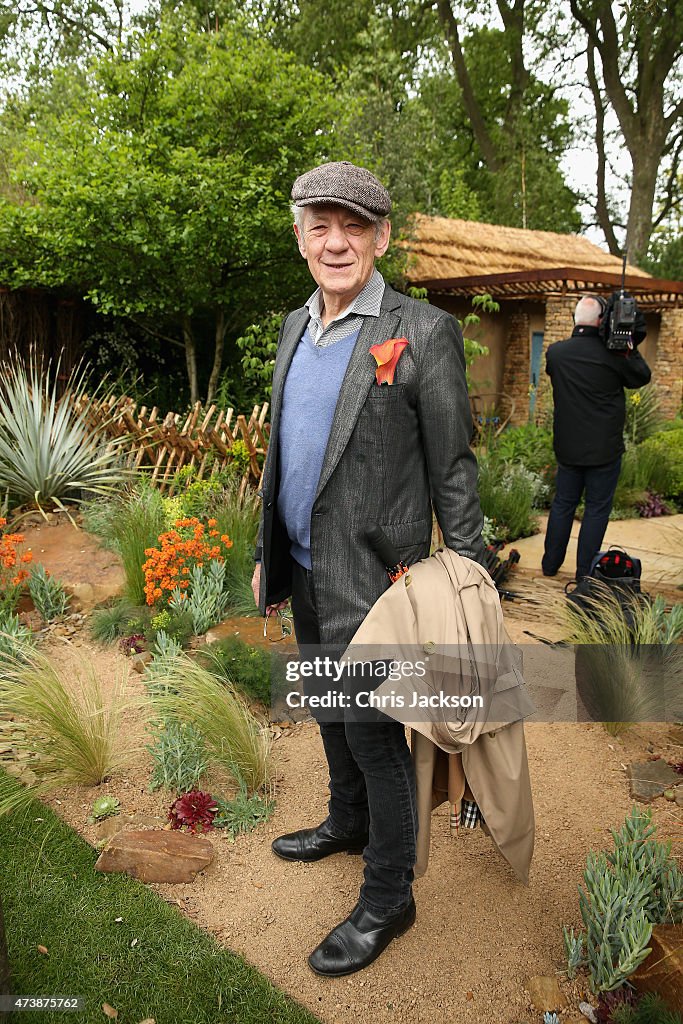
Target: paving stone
x=649 y=779
x=662 y=969
x=545 y=993
x=156 y=856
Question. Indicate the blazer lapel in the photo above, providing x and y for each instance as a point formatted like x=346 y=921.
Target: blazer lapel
x=294 y=329
x=358 y=379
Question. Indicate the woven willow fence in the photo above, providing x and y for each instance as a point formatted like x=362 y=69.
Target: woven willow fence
x=202 y=440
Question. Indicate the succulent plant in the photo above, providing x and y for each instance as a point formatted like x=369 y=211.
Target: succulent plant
x=550 y=1018
x=133 y=644
x=104 y=807
x=609 y=1001
x=653 y=506
x=193 y=812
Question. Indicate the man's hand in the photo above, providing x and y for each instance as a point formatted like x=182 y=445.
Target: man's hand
x=256 y=583
x=256 y=591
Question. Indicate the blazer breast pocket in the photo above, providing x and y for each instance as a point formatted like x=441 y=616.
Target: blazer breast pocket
x=381 y=393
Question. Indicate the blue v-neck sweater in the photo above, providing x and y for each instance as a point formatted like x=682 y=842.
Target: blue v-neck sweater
x=308 y=402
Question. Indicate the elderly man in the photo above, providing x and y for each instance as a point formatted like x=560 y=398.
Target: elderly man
x=346 y=451
x=588 y=390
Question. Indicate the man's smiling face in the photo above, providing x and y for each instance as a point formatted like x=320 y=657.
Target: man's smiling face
x=340 y=248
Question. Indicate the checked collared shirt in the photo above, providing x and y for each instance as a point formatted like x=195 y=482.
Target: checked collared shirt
x=368 y=302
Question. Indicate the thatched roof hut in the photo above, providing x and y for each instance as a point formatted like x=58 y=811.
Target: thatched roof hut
x=537 y=276
x=460 y=257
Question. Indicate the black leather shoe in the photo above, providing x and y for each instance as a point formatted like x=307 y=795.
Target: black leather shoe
x=310 y=844
x=359 y=940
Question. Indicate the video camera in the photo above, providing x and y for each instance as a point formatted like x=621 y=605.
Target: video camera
x=622 y=325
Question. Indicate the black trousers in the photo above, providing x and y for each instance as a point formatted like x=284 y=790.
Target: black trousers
x=599 y=483
x=372 y=780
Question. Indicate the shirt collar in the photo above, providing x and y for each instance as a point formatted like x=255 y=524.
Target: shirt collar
x=368 y=302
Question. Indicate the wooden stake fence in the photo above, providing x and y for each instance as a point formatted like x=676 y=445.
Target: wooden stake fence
x=203 y=440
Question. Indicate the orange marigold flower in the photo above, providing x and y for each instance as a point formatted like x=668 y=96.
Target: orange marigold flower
x=213 y=522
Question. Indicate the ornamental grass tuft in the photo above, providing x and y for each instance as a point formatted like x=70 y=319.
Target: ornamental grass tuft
x=73 y=733
x=234 y=738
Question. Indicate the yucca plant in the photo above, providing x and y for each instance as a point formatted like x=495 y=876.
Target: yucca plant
x=49 y=449
x=234 y=738
x=72 y=732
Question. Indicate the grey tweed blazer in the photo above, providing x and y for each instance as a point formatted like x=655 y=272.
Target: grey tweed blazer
x=393 y=452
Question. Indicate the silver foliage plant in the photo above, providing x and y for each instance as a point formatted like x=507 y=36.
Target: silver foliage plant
x=626 y=892
x=49 y=448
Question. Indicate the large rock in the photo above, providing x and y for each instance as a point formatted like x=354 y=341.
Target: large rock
x=545 y=993
x=649 y=779
x=662 y=969
x=156 y=856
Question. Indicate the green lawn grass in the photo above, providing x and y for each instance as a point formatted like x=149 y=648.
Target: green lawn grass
x=175 y=973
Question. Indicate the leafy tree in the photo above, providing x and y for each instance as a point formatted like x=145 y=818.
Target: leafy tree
x=164 y=193
x=634 y=54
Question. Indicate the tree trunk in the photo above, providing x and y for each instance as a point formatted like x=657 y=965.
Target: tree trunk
x=191 y=358
x=645 y=169
x=4 y=958
x=219 y=340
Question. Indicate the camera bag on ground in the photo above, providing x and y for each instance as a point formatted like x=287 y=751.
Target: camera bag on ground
x=613 y=568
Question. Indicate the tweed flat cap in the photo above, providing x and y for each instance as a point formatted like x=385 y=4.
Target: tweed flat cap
x=346 y=185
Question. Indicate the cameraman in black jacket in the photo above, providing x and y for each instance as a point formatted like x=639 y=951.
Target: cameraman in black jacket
x=588 y=390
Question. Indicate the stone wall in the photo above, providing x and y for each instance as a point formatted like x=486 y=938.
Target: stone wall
x=559 y=322
x=667 y=372
x=516 y=371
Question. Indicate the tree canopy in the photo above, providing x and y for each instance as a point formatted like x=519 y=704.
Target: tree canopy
x=147 y=149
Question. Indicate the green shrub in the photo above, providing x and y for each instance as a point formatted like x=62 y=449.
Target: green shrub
x=235 y=739
x=237 y=515
x=244 y=812
x=108 y=624
x=129 y=524
x=137 y=520
x=195 y=499
x=179 y=756
x=625 y=893
x=47 y=593
x=509 y=494
x=666 y=451
x=258 y=672
x=529 y=445
x=651 y=1009
x=175 y=622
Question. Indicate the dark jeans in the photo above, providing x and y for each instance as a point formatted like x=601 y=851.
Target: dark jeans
x=599 y=483
x=372 y=781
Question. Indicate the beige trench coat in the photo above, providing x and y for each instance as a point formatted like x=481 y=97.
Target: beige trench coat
x=448 y=607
